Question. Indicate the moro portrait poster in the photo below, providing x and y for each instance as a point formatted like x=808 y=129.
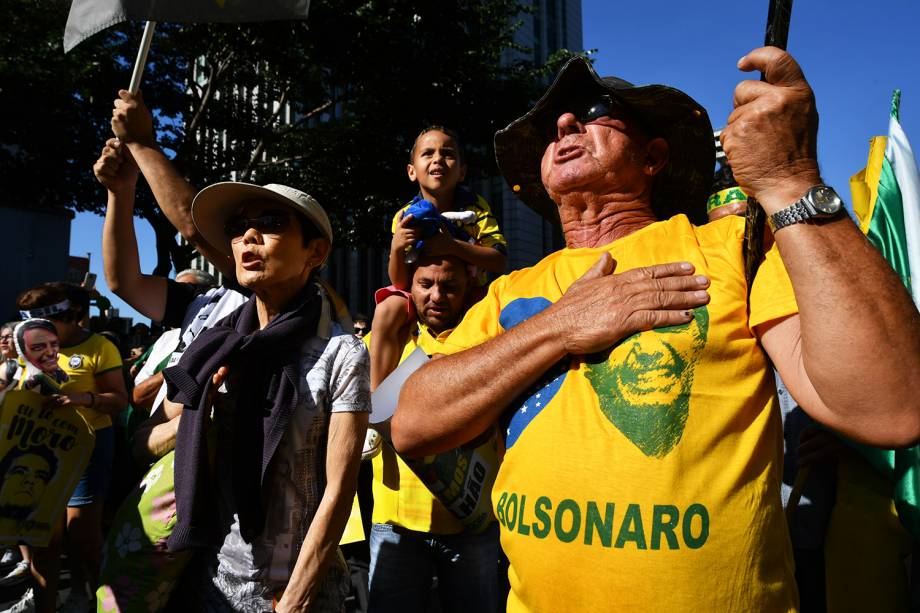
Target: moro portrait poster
x=43 y=453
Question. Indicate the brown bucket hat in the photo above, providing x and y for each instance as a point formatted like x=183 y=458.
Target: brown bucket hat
x=684 y=184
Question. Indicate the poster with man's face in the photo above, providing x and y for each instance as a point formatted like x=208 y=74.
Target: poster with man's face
x=43 y=453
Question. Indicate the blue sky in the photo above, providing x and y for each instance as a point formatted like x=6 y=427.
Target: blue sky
x=853 y=54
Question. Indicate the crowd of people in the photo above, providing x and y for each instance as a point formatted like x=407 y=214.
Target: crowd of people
x=626 y=382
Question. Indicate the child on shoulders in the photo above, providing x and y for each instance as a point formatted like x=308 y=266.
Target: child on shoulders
x=436 y=163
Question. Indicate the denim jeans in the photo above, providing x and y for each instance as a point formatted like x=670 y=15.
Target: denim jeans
x=403 y=563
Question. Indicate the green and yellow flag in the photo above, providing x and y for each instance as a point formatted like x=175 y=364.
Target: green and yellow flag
x=886 y=200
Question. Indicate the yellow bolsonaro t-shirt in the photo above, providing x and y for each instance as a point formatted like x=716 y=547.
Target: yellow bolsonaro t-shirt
x=647 y=478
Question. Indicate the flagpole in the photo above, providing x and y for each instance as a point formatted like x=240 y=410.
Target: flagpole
x=141 y=60
x=777 y=35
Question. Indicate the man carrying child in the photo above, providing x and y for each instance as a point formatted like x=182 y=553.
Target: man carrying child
x=414 y=536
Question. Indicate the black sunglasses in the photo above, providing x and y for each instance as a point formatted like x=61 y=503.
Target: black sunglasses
x=603 y=106
x=269 y=222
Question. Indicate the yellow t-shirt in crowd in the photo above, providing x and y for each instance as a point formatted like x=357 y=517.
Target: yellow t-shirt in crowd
x=83 y=363
x=400 y=497
x=647 y=479
x=484 y=230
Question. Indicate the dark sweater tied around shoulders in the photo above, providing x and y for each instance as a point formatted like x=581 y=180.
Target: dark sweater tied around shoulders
x=268 y=362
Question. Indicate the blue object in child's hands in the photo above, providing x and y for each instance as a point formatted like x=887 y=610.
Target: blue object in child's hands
x=425 y=216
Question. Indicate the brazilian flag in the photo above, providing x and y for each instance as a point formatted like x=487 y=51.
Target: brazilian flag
x=886 y=200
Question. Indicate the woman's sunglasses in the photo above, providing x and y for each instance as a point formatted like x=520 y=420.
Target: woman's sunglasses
x=269 y=222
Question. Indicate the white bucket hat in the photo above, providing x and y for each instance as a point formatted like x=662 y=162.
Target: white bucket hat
x=215 y=203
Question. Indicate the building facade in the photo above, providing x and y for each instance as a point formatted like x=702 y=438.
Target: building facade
x=37 y=242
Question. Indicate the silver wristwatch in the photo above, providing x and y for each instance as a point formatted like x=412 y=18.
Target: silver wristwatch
x=819 y=202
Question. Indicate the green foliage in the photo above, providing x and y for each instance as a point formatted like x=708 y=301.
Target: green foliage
x=330 y=105
x=56 y=108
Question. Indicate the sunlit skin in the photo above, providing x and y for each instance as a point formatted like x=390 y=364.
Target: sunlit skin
x=601 y=174
x=439 y=291
x=437 y=168
x=7 y=348
x=25 y=481
x=41 y=348
x=274 y=266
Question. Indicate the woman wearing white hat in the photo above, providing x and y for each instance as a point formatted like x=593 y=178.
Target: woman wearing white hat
x=290 y=425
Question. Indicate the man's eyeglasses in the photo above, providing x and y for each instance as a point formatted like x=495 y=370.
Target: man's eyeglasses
x=270 y=222
x=6 y=337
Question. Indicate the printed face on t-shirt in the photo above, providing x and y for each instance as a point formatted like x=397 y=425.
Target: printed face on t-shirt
x=643 y=386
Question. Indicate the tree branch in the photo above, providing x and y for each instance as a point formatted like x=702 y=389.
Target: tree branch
x=214 y=79
x=260 y=147
x=295 y=124
x=253 y=161
x=281 y=161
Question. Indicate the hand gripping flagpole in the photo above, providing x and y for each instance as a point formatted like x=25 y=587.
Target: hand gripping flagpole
x=777 y=35
x=141 y=61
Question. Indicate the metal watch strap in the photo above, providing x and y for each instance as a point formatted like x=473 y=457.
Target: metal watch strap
x=793 y=214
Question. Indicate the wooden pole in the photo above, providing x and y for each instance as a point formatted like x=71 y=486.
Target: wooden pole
x=777 y=35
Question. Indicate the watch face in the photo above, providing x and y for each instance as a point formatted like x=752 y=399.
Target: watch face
x=825 y=200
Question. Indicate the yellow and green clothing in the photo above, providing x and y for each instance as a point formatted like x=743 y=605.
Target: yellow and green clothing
x=84 y=362
x=484 y=230
x=400 y=497
x=647 y=478
x=725 y=197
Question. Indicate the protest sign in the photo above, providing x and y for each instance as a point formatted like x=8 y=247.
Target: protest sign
x=386 y=396
x=43 y=453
